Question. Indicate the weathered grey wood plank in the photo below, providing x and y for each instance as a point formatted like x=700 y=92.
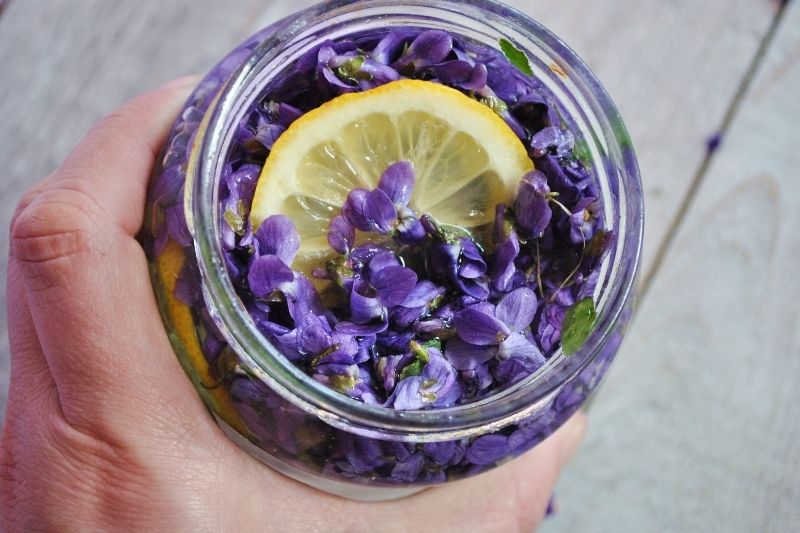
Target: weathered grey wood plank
x=697 y=428
x=672 y=68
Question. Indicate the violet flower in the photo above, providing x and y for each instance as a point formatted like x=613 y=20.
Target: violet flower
x=582 y=222
x=387 y=287
x=341 y=234
x=463 y=74
x=461 y=263
x=428 y=48
x=488 y=449
x=486 y=331
x=552 y=140
x=241 y=185
x=319 y=343
x=276 y=243
x=381 y=210
x=416 y=303
x=505 y=253
x=391 y=45
x=435 y=386
x=548 y=326
x=351 y=70
x=532 y=208
x=262 y=127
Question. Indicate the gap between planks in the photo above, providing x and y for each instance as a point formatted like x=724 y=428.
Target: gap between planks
x=700 y=173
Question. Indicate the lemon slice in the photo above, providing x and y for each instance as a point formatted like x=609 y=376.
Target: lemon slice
x=465 y=157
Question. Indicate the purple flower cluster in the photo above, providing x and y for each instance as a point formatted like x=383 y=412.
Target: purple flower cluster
x=421 y=314
x=417 y=313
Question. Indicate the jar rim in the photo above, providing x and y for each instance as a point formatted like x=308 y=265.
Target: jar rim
x=268 y=364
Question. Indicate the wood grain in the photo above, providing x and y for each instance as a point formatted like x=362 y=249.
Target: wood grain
x=697 y=427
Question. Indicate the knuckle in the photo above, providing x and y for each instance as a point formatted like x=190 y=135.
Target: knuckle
x=58 y=223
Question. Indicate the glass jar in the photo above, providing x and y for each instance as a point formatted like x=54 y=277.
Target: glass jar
x=270 y=407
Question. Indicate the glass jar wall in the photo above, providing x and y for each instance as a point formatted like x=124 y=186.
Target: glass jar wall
x=269 y=406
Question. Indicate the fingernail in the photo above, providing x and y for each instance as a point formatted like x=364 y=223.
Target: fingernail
x=182 y=82
x=574 y=431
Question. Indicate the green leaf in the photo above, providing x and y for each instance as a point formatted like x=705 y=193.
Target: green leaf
x=414 y=368
x=579 y=322
x=516 y=56
x=433 y=343
x=411 y=369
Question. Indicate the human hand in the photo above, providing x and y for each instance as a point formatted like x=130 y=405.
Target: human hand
x=103 y=429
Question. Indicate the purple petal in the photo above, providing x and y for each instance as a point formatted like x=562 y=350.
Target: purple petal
x=440 y=452
x=517 y=346
x=422 y=294
x=388 y=48
x=428 y=48
x=552 y=140
x=386 y=369
x=397 y=181
x=512 y=370
x=406 y=395
x=465 y=356
x=477 y=79
x=410 y=230
x=341 y=234
x=365 y=309
x=394 y=342
x=403 y=317
x=439 y=379
x=283 y=113
x=548 y=329
x=504 y=256
x=394 y=284
x=301 y=297
x=453 y=72
x=532 y=209
x=487 y=449
x=472 y=264
x=429 y=325
x=379 y=73
x=354 y=209
x=473 y=288
x=380 y=211
x=582 y=220
x=266 y=274
x=362 y=329
x=517 y=308
x=363 y=347
x=533 y=110
x=277 y=235
x=382 y=260
x=335 y=82
x=479 y=328
x=176 y=225
x=314 y=335
x=409 y=469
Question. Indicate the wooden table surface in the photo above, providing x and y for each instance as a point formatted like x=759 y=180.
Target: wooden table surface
x=698 y=426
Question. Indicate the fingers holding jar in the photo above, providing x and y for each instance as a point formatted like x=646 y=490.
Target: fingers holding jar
x=81 y=276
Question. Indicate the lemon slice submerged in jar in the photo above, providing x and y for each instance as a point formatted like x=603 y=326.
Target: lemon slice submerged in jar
x=465 y=157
